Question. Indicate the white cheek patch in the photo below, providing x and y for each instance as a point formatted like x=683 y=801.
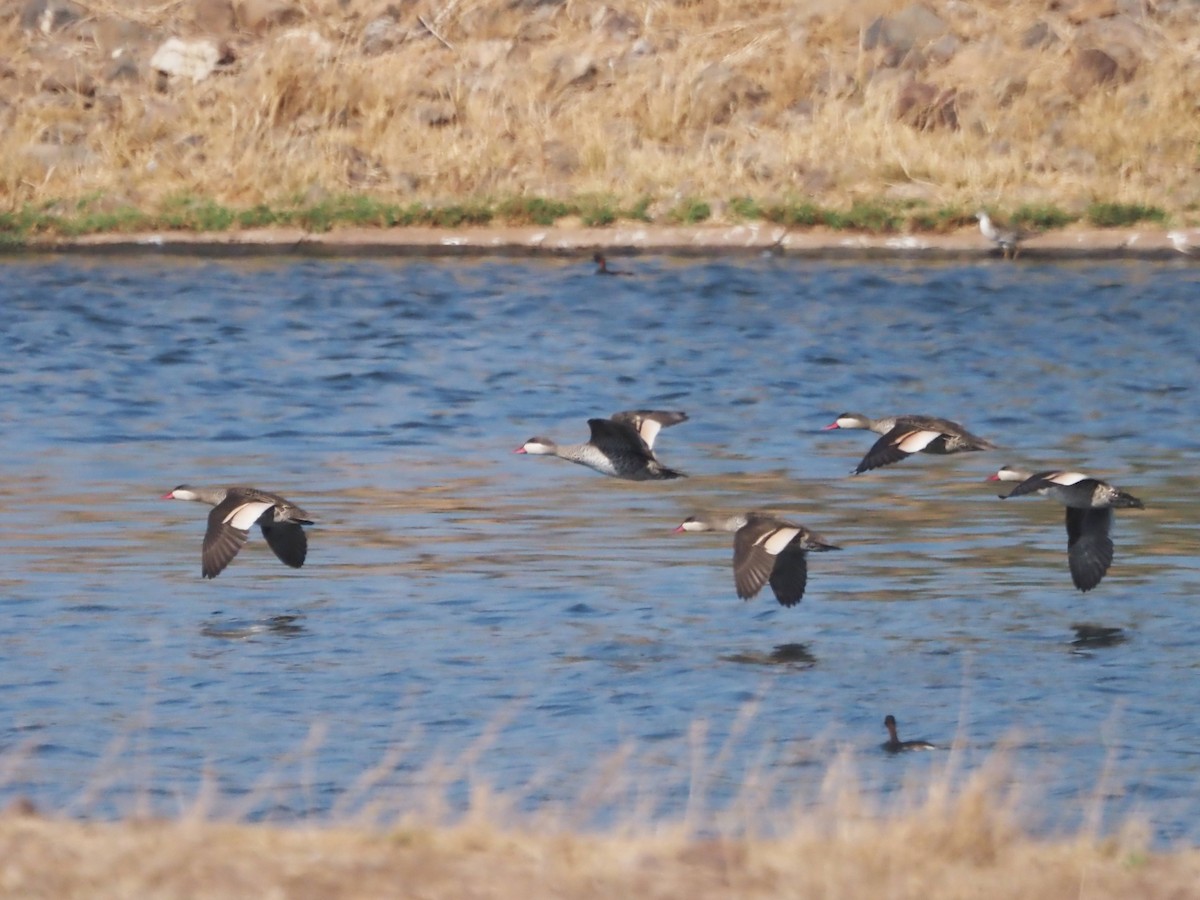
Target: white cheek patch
x=778 y=539
x=916 y=441
x=247 y=514
x=1068 y=478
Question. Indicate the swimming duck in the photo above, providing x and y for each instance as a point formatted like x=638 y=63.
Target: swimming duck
x=909 y=434
x=894 y=745
x=235 y=510
x=621 y=446
x=1090 y=503
x=602 y=268
x=766 y=549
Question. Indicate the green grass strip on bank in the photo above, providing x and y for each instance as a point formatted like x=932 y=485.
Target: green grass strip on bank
x=93 y=215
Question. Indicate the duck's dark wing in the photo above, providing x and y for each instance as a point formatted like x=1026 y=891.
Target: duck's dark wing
x=766 y=549
x=286 y=538
x=228 y=525
x=790 y=575
x=902 y=441
x=649 y=422
x=617 y=438
x=1089 y=547
x=221 y=543
x=752 y=565
x=1069 y=486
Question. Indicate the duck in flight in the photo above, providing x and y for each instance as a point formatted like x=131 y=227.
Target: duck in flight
x=1090 y=503
x=234 y=511
x=621 y=446
x=766 y=550
x=905 y=435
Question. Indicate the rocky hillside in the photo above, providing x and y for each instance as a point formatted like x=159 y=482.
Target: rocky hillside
x=648 y=104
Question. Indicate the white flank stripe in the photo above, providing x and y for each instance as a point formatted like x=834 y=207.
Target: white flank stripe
x=247 y=514
x=649 y=431
x=1067 y=478
x=778 y=539
x=916 y=441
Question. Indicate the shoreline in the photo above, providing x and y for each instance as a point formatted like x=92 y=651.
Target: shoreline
x=727 y=240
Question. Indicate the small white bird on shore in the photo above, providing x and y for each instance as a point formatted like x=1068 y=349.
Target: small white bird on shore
x=1179 y=240
x=1006 y=237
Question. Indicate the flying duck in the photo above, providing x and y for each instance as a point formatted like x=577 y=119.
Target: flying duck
x=1090 y=503
x=894 y=745
x=235 y=510
x=621 y=446
x=766 y=549
x=906 y=435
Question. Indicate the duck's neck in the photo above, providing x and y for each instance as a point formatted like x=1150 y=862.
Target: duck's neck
x=211 y=496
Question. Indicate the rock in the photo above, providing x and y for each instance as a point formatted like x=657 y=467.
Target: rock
x=213 y=16
x=486 y=55
x=122 y=68
x=177 y=58
x=571 y=69
x=437 y=113
x=1127 y=42
x=719 y=91
x=560 y=158
x=56 y=156
x=262 y=15
x=306 y=42
x=1038 y=36
x=114 y=36
x=897 y=35
x=362 y=168
x=1008 y=88
x=381 y=35
x=642 y=47
x=49 y=15
x=613 y=24
x=943 y=49
x=1087 y=10
x=68 y=78
x=1089 y=70
x=925 y=106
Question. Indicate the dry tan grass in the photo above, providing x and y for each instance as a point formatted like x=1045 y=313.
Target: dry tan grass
x=953 y=844
x=759 y=98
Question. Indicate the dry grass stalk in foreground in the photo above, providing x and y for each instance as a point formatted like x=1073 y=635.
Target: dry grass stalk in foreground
x=968 y=850
x=757 y=98
x=955 y=844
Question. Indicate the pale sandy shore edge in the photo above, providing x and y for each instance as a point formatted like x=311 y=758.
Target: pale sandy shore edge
x=749 y=238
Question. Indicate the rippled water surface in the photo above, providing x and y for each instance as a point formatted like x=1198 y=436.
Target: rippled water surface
x=524 y=619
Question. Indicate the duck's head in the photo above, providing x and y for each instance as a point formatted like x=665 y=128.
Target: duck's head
x=537 y=446
x=693 y=523
x=183 y=492
x=1008 y=473
x=849 y=420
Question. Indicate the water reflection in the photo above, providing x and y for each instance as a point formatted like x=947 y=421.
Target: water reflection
x=793 y=656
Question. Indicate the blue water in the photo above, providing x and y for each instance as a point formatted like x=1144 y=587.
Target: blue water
x=471 y=616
